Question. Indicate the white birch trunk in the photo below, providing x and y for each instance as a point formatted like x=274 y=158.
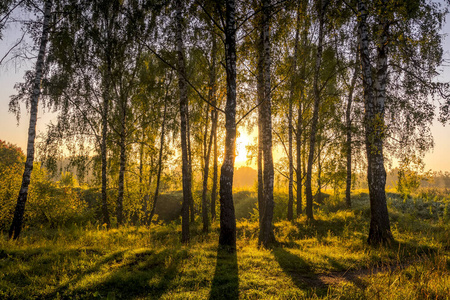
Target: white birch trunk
x=16 y=225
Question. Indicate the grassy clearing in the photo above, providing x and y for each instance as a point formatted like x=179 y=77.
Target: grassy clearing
x=325 y=259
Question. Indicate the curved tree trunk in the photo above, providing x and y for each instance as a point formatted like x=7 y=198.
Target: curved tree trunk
x=16 y=225
x=227 y=236
x=374 y=98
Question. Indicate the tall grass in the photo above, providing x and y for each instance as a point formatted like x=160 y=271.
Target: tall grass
x=327 y=258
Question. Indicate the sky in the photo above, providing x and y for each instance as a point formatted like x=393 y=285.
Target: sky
x=11 y=131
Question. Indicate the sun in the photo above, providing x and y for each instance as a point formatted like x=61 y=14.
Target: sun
x=243 y=140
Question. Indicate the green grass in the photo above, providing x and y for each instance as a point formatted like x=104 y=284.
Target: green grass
x=328 y=258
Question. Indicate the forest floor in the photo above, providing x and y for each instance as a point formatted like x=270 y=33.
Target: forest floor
x=327 y=258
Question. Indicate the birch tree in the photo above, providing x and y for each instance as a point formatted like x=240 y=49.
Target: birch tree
x=16 y=225
x=227 y=235
x=266 y=235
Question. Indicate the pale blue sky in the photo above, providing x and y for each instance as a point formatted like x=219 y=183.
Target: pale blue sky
x=438 y=159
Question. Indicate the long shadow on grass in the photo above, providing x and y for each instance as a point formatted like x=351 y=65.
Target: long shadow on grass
x=300 y=272
x=225 y=283
x=108 y=259
x=145 y=274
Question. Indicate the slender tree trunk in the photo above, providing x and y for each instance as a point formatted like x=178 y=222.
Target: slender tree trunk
x=147 y=196
x=141 y=161
x=16 y=225
x=215 y=168
x=160 y=162
x=374 y=98
x=188 y=133
x=123 y=160
x=104 y=158
x=260 y=167
x=299 y=161
x=312 y=139
x=206 y=154
x=302 y=80
x=260 y=99
x=266 y=236
x=207 y=147
x=227 y=236
x=348 y=147
x=187 y=193
x=290 y=212
x=319 y=173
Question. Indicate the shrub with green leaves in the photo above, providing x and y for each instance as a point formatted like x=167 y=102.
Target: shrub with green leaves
x=12 y=162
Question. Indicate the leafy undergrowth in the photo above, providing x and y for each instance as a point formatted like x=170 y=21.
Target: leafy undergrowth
x=327 y=258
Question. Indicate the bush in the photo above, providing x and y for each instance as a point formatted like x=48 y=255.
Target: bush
x=12 y=162
x=48 y=203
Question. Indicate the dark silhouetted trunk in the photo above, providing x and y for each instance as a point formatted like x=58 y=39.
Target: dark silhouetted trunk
x=16 y=225
x=182 y=85
x=227 y=236
x=374 y=99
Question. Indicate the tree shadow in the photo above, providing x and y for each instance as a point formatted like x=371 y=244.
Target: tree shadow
x=108 y=259
x=144 y=274
x=225 y=284
x=300 y=272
